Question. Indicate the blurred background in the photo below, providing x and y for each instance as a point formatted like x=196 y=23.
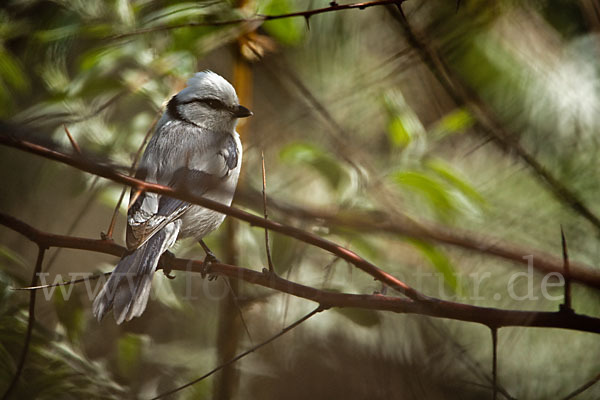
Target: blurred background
x=381 y=131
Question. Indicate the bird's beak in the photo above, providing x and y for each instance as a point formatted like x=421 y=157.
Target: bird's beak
x=241 y=112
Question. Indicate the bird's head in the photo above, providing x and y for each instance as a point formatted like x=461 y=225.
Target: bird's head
x=208 y=101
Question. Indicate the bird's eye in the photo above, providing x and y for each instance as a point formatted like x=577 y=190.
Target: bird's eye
x=214 y=103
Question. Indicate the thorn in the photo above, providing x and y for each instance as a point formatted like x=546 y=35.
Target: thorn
x=457 y=5
x=307 y=20
x=566 y=306
x=134 y=198
x=72 y=140
x=333 y=4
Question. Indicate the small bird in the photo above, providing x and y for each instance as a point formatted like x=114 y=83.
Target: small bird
x=195 y=148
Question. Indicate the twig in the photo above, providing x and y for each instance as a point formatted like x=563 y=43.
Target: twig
x=264 y=193
x=494 y=362
x=239 y=309
x=136 y=158
x=435 y=307
x=30 y=321
x=67 y=283
x=566 y=306
x=258 y=19
x=72 y=140
x=242 y=355
x=583 y=388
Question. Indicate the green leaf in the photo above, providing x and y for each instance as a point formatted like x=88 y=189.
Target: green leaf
x=362 y=317
x=309 y=154
x=55 y=34
x=453 y=177
x=456 y=121
x=11 y=72
x=12 y=256
x=434 y=191
x=397 y=132
x=440 y=262
x=289 y=31
x=179 y=13
x=404 y=126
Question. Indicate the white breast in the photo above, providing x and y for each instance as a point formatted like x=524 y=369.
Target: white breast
x=199 y=221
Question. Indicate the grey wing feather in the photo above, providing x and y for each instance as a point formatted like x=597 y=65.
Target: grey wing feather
x=143 y=224
x=128 y=287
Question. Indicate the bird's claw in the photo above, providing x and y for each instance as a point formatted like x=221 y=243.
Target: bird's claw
x=208 y=260
x=168 y=274
x=165 y=262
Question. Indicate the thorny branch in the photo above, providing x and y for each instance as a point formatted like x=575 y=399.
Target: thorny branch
x=259 y=18
x=491 y=317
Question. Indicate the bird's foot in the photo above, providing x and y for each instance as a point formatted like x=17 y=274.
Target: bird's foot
x=206 y=264
x=165 y=262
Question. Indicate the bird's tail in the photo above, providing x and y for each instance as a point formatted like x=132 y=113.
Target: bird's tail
x=128 y=288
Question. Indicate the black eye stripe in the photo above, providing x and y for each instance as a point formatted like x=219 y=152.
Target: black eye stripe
x=210 y=102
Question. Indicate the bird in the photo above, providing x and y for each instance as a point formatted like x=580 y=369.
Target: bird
x=195 y=147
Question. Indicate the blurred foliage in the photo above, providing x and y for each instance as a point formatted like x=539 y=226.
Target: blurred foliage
x=368 y=130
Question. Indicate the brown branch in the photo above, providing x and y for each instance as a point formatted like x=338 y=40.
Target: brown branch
x=491 y=317
x=307 y=237
x=259 y=18
x=30 y=321
x=264 y=193
x=242 y=355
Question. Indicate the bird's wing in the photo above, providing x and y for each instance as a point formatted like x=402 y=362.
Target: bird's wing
x=201 y=172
